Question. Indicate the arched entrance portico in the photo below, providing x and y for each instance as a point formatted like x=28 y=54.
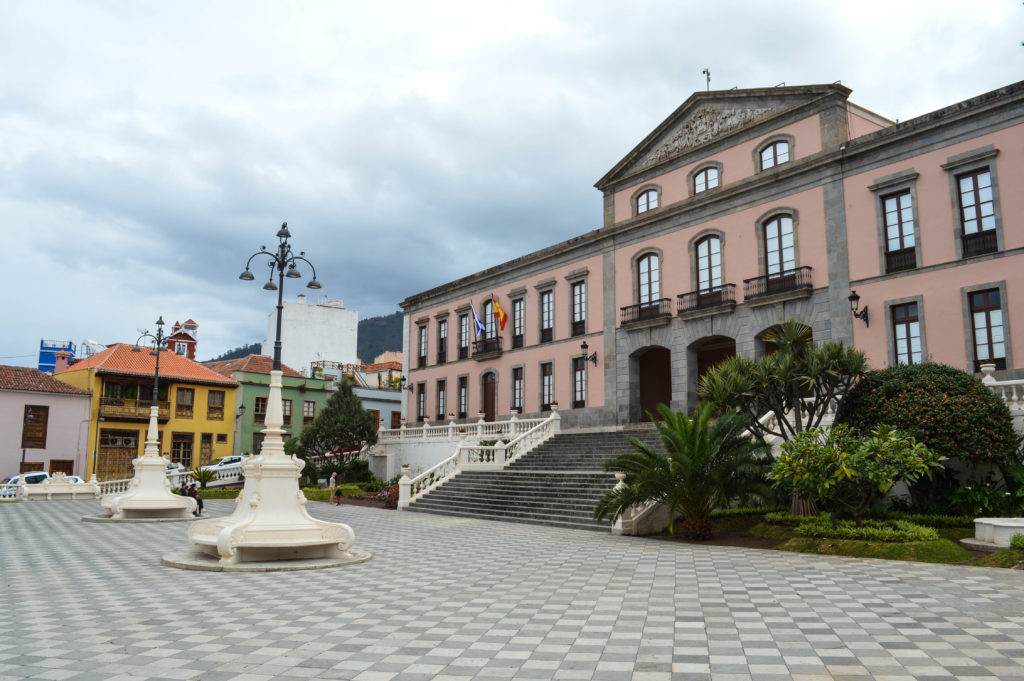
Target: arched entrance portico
x=653 y=371
x=705 y=354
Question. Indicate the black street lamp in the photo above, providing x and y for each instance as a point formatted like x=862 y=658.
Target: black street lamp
x=286 y=264
x=159 y=341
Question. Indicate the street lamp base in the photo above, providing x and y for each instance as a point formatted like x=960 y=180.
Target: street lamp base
x=270 y=521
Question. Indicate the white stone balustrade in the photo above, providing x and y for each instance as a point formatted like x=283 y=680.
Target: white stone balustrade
x=450 y=431
x=528 y=433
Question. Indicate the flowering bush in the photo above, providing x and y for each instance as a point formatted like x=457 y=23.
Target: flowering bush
x=946 y=409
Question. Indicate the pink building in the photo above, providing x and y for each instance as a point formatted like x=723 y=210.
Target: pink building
x=742 y=209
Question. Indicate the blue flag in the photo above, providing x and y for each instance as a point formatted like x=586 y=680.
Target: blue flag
x=480 y=328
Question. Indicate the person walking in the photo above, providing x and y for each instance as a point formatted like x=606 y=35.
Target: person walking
x=333 y=484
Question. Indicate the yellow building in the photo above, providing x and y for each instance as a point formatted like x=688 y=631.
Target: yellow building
x=196 y=408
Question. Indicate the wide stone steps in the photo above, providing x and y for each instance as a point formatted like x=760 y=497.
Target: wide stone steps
x=558 y=484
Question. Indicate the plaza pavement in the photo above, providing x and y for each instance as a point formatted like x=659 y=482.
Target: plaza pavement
x=460 y=599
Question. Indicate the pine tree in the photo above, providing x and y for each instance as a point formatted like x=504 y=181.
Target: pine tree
x=342 y=423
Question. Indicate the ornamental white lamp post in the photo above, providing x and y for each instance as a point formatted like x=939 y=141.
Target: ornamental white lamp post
x=150 y=496
x=270 y=521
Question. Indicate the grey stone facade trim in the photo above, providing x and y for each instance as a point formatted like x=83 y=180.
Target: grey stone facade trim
x=970 y=158
x=1004 y=306
x=772 y=139
x=642 y=189
x=545 y=284
x=517 y=292
x=577 y=275
x=890 y=338
x=897 y=183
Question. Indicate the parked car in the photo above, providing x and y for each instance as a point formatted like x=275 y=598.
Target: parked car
x=223 y=462
x=175 y=467
x=9 y=486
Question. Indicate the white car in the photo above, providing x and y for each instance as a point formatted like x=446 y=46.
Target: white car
x=222 y=463
x=9 y=486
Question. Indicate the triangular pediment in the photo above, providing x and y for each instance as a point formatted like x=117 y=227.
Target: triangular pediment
x=707 y=117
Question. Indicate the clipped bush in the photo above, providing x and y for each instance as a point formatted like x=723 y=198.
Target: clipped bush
x=927 y=519
x=946 y=409
x=733 y=512
x=871 y=530
x=1017 y=542
x=785 y=519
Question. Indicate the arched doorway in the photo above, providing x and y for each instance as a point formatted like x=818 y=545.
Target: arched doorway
x=654 y=374
x=490 y=393
x=712 y=351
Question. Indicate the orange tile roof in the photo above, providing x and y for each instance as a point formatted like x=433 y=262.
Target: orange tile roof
x=383 y=366
x=120 y=358
x=256 y=364
x=34 y=380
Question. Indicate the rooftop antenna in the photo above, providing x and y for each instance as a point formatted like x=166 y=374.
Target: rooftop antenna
x=707 y=76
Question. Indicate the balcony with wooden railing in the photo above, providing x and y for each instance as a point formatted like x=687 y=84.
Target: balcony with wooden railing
x=123 y=409
x=771 y=288
x=903 y=259
x=214 y=413
x=645 y=314
x=979 y=243
x=714 y=300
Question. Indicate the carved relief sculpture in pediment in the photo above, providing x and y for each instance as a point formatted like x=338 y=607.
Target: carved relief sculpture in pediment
x=703 y=126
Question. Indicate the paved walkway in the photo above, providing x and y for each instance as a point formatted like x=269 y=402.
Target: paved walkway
x=461 y=599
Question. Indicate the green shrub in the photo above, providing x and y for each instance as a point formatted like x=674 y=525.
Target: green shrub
x=1017 y=541
x=871 y=530
x=837 y=470
x=375 y=486
x=219 y=493
x=317 y=493
x=947 y=409
x=784 y=518
x=928 y=520
x=730 y=512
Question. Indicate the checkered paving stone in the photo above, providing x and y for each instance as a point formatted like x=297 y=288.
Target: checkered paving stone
x=460 y=599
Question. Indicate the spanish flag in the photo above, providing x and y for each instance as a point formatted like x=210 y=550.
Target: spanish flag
x=499 y=314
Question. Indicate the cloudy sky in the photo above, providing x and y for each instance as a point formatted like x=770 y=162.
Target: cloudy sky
x=148 y=148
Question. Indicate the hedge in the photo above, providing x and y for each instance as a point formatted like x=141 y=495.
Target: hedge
x=871 y=530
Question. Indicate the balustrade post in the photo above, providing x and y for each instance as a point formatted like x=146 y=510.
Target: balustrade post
x=426 y=426
x=404 y=488
x=617 y=525
x=499 y=454
x=513 y=427
x=987 y=370
x=451 y=429
x=556 y=420
x=401 y=430
x=480 y=424
x=462 y=458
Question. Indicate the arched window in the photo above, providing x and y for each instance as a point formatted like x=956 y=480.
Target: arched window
x=489 y=328
x=647 y=201
x=705 y=179
x=774 y=154
x=709 y=263
x=779 y=245
x=648 y=279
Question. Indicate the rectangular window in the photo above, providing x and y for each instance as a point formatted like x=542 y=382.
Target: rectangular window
x=579 y=308
x=215 y=405
x=34 y=426
x=463 y=336
x=977 y=212
x=442 y=341
x=257 y=442
x=442 y=400
x=547 y=317
x=259 y=410
x=180 y=348
x=423 y=347
x=579 y=382
x=987 y=323
x=463 y=396
x=779 y=246
x=518 y=323
x=181 y=448
x=906 y=333
x=547 y=388
x=421 y=401
x=185 y=400
x=308 y=412
x=286 y=411
x=222 y=438
x=898 y=212
x=517 y=389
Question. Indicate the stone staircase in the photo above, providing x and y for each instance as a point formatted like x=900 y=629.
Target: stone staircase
x=557 y=484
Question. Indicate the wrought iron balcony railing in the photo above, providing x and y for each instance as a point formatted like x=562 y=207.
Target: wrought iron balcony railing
x=770 y=284
x=979 y=243
x=487 y=346
x=641 y=312
x=708 y=298
x=903 y=259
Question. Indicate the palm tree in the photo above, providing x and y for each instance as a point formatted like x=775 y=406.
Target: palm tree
x=707 y=466
x=203 y=476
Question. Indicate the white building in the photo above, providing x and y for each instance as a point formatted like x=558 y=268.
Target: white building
x=314 y=331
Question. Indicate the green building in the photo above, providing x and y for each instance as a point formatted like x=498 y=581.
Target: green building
x=303 y=398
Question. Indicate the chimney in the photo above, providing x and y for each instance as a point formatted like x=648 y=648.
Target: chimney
x=60 y=359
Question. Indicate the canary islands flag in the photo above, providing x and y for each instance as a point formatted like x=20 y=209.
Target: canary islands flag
x=499 y=314
x=481 y=330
